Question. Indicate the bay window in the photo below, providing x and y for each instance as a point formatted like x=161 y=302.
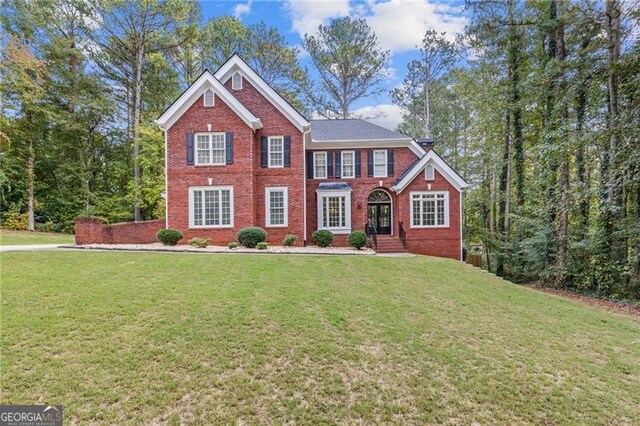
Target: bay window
x=334 y=211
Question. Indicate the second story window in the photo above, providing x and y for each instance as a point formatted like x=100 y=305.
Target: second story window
x=380 y=163
x=348 y=168
x=276 y=151
x=320 y=165
x=208 y=98
x=210 y=149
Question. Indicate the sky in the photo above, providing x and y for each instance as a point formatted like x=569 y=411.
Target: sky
x=399 y=25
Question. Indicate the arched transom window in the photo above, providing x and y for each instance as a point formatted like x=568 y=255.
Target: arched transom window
x=379 y=196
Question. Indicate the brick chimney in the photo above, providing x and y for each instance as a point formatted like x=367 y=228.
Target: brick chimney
x=426 y=143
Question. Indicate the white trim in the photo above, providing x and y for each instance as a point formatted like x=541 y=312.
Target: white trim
x=267 y=206
x=460 y=226
x=440 y=165
x=195 y=149
x=446 y=209
x=353 y=164
x=233 y=81
x=368 y=144
x=321 y=195
x=236 y=63
x=211 y=188
x=166 y=180
x=193 y=93
x=213 y=98
x=326 y=166
x=269 y=165
x=304 y=185
x=386 y=163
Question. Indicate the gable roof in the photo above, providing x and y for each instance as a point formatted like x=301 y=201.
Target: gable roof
x=236 y=64
x=193 y=92
x=352 y=129
x=431 y=157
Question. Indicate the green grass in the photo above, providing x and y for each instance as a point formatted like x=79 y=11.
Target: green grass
x=198 y=338
x=9 y=238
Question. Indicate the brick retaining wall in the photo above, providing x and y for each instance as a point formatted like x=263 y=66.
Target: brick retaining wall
x=92 y=230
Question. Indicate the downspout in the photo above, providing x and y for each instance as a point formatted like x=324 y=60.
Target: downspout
x=304 y=186
x=166 y=179
x=460 y=194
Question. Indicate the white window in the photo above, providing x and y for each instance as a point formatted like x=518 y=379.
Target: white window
x=380 y=163
x=276 y=202
x=348 y=164
x=429 y=209
x=211 y=207
x=320 y=165
x=429 y=172
x=236 y=81
x=210 y=149
x=334 y=211
x=276 y=151
x=208 y=98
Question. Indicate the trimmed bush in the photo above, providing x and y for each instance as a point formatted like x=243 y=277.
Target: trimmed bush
x=199 y=242
x=322 y=237
x=289 y=240
x=251 y=236
x=262 y=245
x=232 y=245
x=357 y=239
x=169 y=237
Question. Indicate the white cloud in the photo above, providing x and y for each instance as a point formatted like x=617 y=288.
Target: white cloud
x=306 y=16
x=242 y=9
x=400 y=25
x=385 y=115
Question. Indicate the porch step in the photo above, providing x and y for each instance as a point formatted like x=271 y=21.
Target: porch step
x=389 y=244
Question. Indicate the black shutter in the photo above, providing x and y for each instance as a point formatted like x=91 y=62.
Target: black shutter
x=190 y=149
x=370 y=163
x=287 y=151
x=229 y=147
x=329 y=164
x=264 y=160
x=390 y=162
x=309 y=164
x=338 y=172
x=358 y=165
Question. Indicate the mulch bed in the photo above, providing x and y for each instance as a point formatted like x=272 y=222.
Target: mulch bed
x=611 y=305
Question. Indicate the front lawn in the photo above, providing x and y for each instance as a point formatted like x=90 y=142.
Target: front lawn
x=200 y=338
x=11 y=238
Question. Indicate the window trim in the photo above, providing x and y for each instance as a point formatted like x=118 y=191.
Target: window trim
x=386 y=163
x=193 y=189
x=233 y=83
x=213 y=98
x=315 y=162
x=321 y=195
x=269 y=164
x=426 y=176
x=353 y=164
x=446 y=209
x=195 y=149
x=267 y=206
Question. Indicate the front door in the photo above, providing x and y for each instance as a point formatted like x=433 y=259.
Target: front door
x=380 y=217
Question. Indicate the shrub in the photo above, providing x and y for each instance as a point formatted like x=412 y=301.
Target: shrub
x=251 y=236
x=322 y=237
x=45 y=227
x=169 y=237
x=262 y=245
x=232 y=245
x=289 y=240
x=357 y=239
x=16 y=221
x=199 y=242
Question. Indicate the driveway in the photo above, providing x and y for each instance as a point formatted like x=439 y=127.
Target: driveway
x=30 y=247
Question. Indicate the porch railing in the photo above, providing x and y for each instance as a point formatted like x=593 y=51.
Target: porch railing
x=372 y=233
x=403 y=234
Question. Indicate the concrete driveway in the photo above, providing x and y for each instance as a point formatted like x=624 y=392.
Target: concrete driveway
x=30 y=247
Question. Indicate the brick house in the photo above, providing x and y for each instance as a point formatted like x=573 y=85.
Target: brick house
x=237 y=154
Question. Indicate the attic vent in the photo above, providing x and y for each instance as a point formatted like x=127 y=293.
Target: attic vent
x=236 y=81
x=429 y=173
x=208 y=98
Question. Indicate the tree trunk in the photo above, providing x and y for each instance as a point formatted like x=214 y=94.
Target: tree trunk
x=136 y=133
x=503 y=218
x=31 y=226
x=514 y=66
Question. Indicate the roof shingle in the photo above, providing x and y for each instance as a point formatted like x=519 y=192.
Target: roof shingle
x=353 y=129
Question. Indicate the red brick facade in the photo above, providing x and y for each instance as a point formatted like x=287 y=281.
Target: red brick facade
x=91 y=230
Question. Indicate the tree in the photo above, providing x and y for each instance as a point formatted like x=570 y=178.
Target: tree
x=350 y=64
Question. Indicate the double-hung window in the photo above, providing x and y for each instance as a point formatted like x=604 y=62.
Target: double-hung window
x=429 y=209
x=320 y=165
x=380 y=163
x=210 y=149
x=276 y=202
x=348 y=161
x=334 y=211
x=276 y=151
x=211 y=207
